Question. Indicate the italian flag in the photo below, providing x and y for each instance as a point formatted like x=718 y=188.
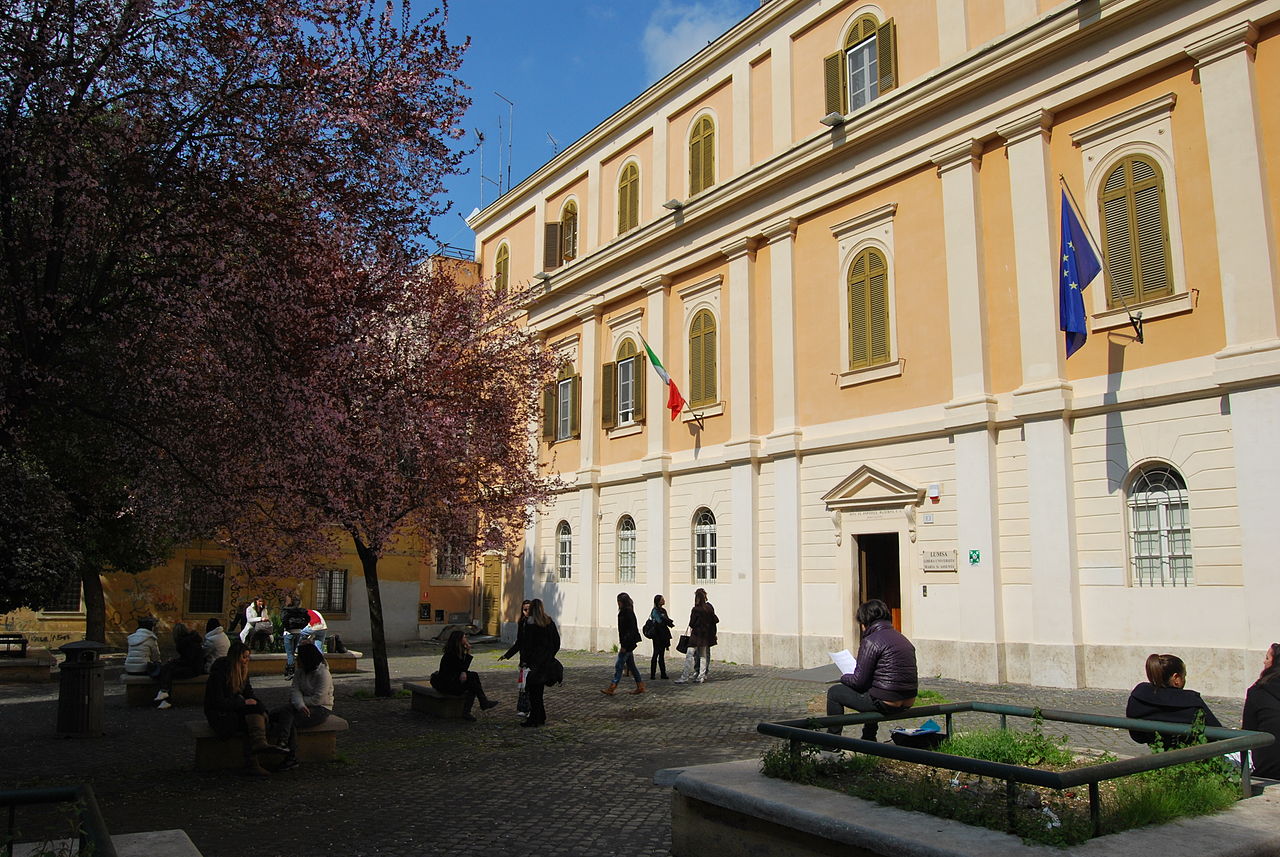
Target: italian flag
x=675 y=401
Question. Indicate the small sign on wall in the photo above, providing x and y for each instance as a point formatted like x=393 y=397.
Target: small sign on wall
x=938 y=560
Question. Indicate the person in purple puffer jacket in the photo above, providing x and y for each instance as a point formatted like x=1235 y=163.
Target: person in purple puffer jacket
x=885 y=679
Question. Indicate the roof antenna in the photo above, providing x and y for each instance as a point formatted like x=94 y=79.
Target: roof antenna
x=511 y=128
x=555 y=144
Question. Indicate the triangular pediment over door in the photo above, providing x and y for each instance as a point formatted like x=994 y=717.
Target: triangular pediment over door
x=873 y=487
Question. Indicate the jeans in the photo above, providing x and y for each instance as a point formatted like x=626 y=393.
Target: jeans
x=626 y=659
x=658 y=661
x=696 y=663
x=286 y=721
x=291 y=639
x=317 y=636
x=840 y=696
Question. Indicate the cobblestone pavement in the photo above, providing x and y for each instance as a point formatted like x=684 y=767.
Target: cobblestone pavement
x=410 y=785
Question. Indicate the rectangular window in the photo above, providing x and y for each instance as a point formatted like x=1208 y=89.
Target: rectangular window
x=451 y=560
x=864 y=76
x=205 y=585
x=564 y=409
x=331 y=590
x=626 y=391
x=68 y=600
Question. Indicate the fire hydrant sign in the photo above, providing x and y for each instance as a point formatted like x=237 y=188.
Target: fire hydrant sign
x=938 y=560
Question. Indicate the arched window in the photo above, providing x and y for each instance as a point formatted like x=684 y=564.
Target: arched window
x=868 y=283
x=626 y=550
x=1160 y=528
x=702 y=359
x=702 y=155
x=502 y=271
x=564 y=551
x=1135 y=232
x=569 y=231
x=629 y=199
x=704 y=546
x=865 y=69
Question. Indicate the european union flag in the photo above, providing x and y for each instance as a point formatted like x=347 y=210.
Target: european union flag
x=1078 y=268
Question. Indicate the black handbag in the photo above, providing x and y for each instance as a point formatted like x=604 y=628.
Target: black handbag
x=649 y=628
x=683 y=646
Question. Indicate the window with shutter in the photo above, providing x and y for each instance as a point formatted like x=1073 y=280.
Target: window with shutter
x=1135 y=232
x=551 y=251
x=865 y=69
x=569 y=231
x=702 y=155
x=629 y=199
x=702 y=359
x=502 y=270
x=868 y=285
x=566 y=403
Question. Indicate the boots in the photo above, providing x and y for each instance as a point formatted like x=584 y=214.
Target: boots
x=639 y=688
x=608 y=691
x=253 y=768
x=255 y=726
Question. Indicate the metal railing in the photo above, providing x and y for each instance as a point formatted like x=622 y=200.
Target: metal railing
x=1222 y=741
x=92 y=830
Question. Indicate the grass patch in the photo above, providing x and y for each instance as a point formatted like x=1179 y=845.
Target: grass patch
x=930 y=697
x=1042 y=816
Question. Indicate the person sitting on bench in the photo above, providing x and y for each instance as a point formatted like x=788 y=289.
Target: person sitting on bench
x=231 y=707
x=144 y=650
x=310 y=702
x=188 y=664
x=454 y=677
x=1164 y=696
x=258 y=632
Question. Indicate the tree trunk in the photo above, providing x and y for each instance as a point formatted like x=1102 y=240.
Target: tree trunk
x=95 y=604
x=381 y=673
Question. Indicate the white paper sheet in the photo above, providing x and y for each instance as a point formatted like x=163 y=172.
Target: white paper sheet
x=845 y=660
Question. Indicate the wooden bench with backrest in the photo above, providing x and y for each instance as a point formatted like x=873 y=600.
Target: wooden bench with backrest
x=428 y=700
x=315 y=744
x=140 y=690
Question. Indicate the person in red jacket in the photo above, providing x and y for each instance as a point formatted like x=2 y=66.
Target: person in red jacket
x=885 y=678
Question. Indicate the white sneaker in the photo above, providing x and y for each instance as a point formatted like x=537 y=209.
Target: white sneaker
x=681 y=681
x=166 y=704
x=161 y=696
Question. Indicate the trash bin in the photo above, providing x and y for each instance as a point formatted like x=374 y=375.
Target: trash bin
x=80 y=690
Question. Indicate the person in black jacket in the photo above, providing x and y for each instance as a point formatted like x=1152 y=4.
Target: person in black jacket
x=885 y=678
x=1163 y=696
x=538 y=647
x=628 y=638
x=520 y=623
x=702 y=636
x=455 y=677
x=660 y=624
x=231 y=707
x=1262 y=713
x=188 y=664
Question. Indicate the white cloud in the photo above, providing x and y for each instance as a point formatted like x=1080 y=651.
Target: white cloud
x=678 y=30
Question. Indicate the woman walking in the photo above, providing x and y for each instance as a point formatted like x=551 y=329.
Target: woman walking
x=660 y=625
x=455 y=676
x=702 y=636
x=628 y=638
x=538 y=649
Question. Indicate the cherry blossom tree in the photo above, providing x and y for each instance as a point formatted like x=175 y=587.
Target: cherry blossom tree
x=195 y=197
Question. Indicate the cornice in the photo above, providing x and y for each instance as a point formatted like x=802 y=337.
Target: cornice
x=739 y=248
x=1036 y=123
x=965 y=154
x=784 y=229
x=867 y=220
x=1156 y=108
x=1242 y=37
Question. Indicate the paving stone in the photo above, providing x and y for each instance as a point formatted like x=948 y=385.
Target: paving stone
x=407 y=784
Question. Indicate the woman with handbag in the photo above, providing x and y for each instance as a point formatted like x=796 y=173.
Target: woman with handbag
x=658 y=629
x=538 y=647
x=702 y=636
x=628 y=639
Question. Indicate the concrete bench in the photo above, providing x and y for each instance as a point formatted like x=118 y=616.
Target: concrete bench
x=272 y=663
x=428 y=700
x=37 y=666
x=140 y=690
x=315 y=744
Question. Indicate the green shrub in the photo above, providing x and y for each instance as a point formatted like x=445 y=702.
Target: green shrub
x=1011 y=747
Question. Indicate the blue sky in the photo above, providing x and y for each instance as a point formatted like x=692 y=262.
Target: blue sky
x=567 y=65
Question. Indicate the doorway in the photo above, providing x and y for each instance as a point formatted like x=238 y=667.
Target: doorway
x=491 y=597
x=879 y=572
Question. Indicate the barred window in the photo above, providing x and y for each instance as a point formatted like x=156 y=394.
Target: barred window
x=205 y=588
x=1160 y=531
x=331 y=590
x=564 y=550
x=626 y=550
x=451 y=559
x=704 y=546
x=68 y=600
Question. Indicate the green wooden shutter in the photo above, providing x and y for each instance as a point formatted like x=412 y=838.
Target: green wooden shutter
x=1135 y=233
x=887 y=56
x=708 y=153
x=1154 y=264
x=702 y=359
x=695 y=162
x=859 y=312
x=502 y=271
x=609 y=395
x=549 y=413
x=575 y=406
x=629 y=199
x=638 y=384
x=552 y=254
x=878 y=306
x=836 y=83
x=709 y=360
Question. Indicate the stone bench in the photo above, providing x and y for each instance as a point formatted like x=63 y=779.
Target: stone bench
x=315 y=744
x=428 y=700
x=13 y=646
x=272 y=663
x=140 y=690
x=37 y=666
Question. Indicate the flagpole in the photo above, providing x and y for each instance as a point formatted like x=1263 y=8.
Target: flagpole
x=1135 y=320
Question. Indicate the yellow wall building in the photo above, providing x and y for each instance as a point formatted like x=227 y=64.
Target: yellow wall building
x=837 y=226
